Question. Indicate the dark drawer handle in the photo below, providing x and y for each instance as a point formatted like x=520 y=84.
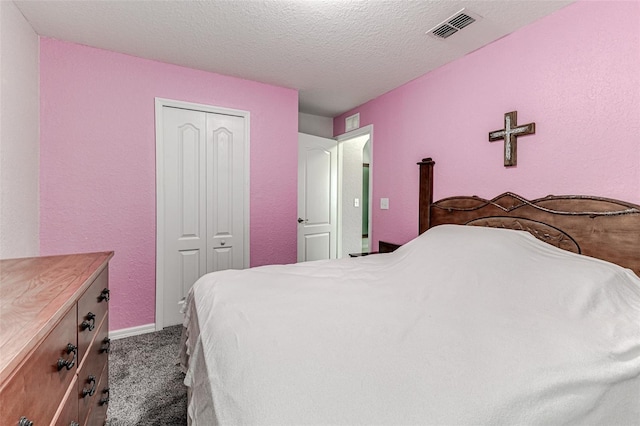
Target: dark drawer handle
x=90 y=322
x=90 y=392
x=64 y=363
x=25 y=422
x=74 y=423
x=104 y=295
x=106 y=345
x=104 y=400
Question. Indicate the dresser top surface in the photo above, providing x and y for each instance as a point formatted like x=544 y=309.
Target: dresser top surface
x=35 y=293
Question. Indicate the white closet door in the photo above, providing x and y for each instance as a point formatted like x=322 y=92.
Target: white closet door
x=225 y=160
x=203 y=200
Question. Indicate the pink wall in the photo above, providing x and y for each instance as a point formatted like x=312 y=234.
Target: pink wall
x=576 y=74
x=97 y=177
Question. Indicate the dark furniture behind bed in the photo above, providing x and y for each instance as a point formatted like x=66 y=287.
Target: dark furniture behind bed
x=385 y=247
x=594 y=226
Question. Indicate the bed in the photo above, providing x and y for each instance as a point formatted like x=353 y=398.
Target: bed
x=502 y=311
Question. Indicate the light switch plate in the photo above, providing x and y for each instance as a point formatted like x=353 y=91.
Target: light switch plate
x=384 y=203
x=356 y=202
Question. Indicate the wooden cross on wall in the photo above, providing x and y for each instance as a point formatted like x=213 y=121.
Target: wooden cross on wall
x=510 y=133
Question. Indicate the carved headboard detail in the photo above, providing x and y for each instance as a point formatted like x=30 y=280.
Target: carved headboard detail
x=542 y=231
x=594 y=226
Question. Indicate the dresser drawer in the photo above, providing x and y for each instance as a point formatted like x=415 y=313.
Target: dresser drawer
x=36 y=390
x=68 y=411
x=100 y=401
x=91 y=370
x=92 y=307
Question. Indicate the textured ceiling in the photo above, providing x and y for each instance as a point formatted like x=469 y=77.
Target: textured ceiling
x=338 y=54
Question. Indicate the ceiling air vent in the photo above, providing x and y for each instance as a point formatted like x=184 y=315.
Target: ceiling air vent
x=453 y=24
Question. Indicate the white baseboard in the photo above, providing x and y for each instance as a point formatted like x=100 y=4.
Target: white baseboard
x=132 y=331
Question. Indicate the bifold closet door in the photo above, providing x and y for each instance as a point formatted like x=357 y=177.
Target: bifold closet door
x=203 y=200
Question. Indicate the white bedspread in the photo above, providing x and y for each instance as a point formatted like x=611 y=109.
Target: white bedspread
x=464 y=325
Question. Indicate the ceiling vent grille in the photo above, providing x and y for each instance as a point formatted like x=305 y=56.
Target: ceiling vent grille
x=453 y=24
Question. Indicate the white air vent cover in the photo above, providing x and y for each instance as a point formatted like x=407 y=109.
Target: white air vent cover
x=352 y=122
x=453 y=24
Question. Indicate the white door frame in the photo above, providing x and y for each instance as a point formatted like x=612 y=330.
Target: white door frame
x=159 y=104
x=365 y=130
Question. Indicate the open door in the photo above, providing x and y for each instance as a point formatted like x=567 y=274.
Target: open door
x=317 y=197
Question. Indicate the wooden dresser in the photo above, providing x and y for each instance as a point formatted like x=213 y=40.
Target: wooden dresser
x=54 y=344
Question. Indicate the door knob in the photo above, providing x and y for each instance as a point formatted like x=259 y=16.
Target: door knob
x=300 y=220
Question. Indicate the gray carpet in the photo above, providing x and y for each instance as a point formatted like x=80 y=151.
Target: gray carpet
x=145 y=381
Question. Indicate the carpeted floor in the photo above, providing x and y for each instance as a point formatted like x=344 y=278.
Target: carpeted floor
x=145 y=381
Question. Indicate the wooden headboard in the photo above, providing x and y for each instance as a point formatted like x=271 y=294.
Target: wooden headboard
x=594 y=226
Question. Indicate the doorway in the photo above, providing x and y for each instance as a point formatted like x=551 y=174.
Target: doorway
x=334 y=194
x=354 y=183
x=202 y=174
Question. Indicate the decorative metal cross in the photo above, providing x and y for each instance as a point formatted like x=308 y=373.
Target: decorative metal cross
x=510 y=132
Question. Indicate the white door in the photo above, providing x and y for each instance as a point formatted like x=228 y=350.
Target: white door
x=203 y=193
x=317 y=197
